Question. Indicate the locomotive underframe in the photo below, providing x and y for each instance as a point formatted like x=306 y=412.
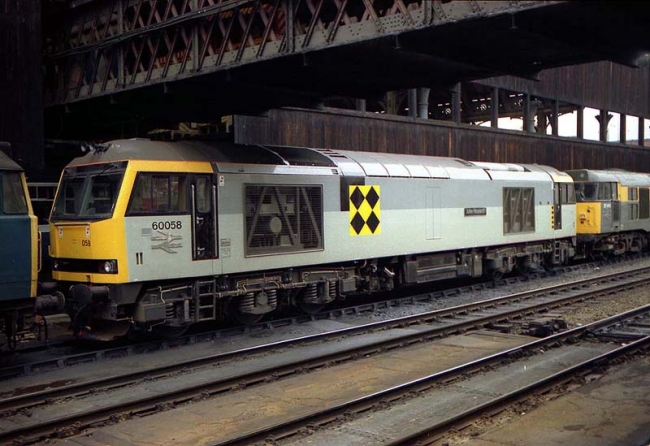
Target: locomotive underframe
x=184 y=303
x=612 y=244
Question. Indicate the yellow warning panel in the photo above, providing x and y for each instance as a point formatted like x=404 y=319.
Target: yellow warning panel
x=365 y=213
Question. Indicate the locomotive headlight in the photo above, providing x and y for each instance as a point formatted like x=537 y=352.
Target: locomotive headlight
x=109 y=266
x=55 y=265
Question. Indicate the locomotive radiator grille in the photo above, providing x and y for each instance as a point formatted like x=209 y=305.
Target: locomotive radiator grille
x=284 y=218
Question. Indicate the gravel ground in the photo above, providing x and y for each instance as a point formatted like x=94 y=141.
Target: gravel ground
x=616 y=304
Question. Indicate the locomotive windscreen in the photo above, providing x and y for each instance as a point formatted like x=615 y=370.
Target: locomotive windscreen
x=88 y=192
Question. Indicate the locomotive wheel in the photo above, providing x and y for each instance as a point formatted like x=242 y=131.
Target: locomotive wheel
x=523 y=266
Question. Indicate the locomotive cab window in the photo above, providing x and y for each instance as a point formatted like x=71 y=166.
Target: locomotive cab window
x=607 y=191
x=633 y=205
x=88 y=192
x=13 y=194
x=283 y=218
x=567 y=193
x=633 y=194
x=203 y=187
x=158 y=193
x=595 y=191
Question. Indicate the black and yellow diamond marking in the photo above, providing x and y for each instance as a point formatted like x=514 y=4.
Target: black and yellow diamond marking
x=365 y=215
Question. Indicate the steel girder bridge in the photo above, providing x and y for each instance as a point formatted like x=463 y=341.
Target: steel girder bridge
x=190 y=59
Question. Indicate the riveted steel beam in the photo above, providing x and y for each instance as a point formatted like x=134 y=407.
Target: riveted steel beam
x=110 y=46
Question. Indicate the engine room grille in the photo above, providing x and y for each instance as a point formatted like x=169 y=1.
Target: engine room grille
x=283 y=218
x=518 y=210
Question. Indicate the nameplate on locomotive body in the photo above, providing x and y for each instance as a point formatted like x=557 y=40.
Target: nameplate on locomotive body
x=475 y=212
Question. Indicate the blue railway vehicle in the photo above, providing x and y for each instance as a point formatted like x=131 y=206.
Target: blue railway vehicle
x=20 y=253
x=157 y=236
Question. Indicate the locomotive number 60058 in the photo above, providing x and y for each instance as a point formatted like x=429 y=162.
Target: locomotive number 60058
x=160 y=225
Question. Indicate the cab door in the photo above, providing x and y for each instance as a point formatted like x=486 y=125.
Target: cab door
x=557 y=205
x=204 y=218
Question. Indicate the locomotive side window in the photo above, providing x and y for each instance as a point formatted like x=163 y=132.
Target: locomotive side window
x=518 y=210
x=158 y=194
x=13 y=194
x=644 y=203
x=607 y=191
x=567 y=193
x=203 y=186
x=283 y=218
x=633 y=196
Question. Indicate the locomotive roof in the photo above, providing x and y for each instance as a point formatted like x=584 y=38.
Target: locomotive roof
x=619 y=176
x=7 y=163
x=228 y=155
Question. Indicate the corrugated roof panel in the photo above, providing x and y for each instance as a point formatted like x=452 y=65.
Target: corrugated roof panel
x=370 y=165
x=393 y=165
x=437 y=172
x=460 y=173
x=499 y=166
x=349 y=167
x=418 y=171
x=519 y=176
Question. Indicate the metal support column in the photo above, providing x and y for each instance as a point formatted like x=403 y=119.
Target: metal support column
x=413 y=102
x=529 y=121
x=603 y=119
x=623 y=129
x=641 y=132
x=555 y=117
x=360 y=105
x=494 y=108
x=455 y=103
x=423 y=102
x=391 y=103
x=580 y=125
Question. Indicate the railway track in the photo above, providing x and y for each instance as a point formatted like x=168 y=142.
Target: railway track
x=28 y=424
x=414 y=388
x=30 y=360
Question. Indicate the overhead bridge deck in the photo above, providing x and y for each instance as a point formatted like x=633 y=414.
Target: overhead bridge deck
x=248 y=55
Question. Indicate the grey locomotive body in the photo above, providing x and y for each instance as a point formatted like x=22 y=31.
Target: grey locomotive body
x=246 y=229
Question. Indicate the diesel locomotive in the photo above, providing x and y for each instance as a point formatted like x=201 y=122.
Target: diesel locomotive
x=613 y=212
x=158 y=236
